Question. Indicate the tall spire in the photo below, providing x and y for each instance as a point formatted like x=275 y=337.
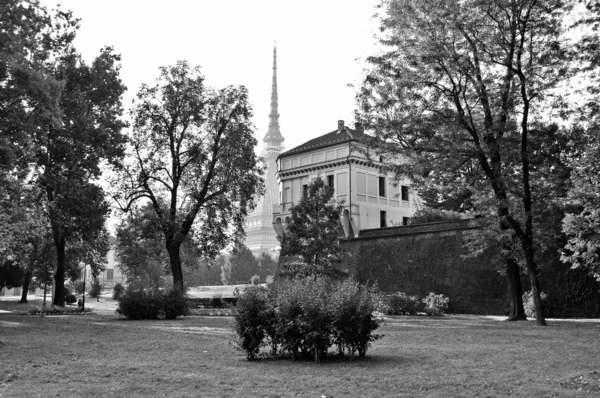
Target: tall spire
x=273 y=136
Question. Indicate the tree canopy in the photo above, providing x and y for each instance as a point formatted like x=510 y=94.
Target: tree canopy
x=461 y=91
x=191 y=156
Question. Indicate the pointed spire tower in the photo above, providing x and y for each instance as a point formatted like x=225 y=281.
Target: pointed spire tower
x=260 y=236
x=273 y=138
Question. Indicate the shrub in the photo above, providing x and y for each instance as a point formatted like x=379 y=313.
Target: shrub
x=400 y=303
x=70 y=298
x=288 y=308
x=253 y=317
x=174 y=304
x=306 y=316
x=96 y=288
x=528 y=303
x=118 y=290
x=352 y=307
x=315 y=320
x=435 y=304
x=140 y=303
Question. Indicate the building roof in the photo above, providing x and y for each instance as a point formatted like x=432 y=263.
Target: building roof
x=335 y=137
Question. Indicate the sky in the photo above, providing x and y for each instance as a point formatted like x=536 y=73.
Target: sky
x=321 y=50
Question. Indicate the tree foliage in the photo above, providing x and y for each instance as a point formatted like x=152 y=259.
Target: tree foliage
x=462 y=91
x=192 y=158
x=314 y=233
x=60 y=118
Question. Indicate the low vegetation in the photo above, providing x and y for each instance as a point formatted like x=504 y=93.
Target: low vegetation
x=420 y=356
x=140 y=303
x=305 y=317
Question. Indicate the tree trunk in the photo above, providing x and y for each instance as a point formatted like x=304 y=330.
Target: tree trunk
x=535 y=291
x=175 y=260
x=25 y=287
x=515 y=292
x=59 y=274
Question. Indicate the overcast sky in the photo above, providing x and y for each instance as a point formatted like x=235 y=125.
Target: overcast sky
x=321 y=47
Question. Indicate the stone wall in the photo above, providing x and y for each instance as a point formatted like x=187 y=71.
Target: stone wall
x=426 y=258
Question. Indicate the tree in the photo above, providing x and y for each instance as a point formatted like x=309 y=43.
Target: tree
x=243 y=265
x=582 y=223
x=69 y=154
x=29 y=41
x=192 y=158
x=314 y=233
x=61 y=118
x=139 y=249
x=462 y=90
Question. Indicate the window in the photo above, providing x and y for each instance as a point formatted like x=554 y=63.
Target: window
x=404 y=190
x=405 y=220
x=382 y=187
x=305 y=190
x=382 y=219
x=287 y=195
x=330 y=181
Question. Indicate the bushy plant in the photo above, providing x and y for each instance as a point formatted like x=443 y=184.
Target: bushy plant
x=352 y=309
x=288 y=308
x=118 y=290
x=96 y=288
x=401 y=303
x=315 y=321
x=306 y=316
x=70 y=299
x=253 y=317
x=140 y=303
x=530 y=307
x=435 y=304
x=174 y=304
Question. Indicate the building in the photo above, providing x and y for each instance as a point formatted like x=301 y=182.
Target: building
x=371 y=199
x=260 y=236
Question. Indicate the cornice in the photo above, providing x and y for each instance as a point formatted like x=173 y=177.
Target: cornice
x=330 y=165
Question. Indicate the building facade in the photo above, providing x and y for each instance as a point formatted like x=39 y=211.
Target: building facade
x=260 y=236
x=371 y=199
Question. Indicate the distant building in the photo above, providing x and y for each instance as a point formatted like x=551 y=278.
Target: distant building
x=260 y=236
x=370 y=198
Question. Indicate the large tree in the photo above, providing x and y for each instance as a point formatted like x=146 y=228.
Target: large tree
x=69 y=153
x=192 y=158
x=462 y=89
x=60 y=118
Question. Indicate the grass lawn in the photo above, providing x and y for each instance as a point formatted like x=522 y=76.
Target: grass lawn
x=450 y=356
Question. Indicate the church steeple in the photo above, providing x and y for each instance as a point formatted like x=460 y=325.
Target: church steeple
x=273 y=136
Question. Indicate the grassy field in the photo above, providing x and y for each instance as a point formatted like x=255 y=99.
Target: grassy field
x=450 y=356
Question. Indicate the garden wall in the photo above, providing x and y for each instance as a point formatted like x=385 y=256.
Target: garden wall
x=426 y=258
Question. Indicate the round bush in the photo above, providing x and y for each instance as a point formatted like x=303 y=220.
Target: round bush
x=140 y=304
x=174 y=304
x=70 y=298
